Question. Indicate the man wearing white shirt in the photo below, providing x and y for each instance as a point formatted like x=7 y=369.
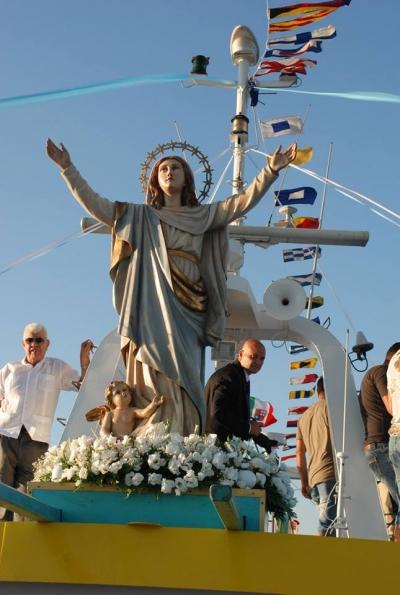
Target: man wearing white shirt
x=393 y=383
x=29 y=391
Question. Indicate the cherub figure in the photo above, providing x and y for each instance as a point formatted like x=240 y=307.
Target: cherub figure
x=118 y=415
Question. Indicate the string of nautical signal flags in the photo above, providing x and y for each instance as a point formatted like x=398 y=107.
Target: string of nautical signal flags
x=287 y=199
x=291 y=61
x=290 y=198
x=287 y=55
x=308 y=363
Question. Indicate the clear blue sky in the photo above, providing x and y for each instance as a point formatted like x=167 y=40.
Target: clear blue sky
x=48 y=45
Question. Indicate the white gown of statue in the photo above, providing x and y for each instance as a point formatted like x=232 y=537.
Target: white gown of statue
x=169 y=273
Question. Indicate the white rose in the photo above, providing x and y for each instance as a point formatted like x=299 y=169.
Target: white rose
x=167 y=485
x=219 y=460
x=154 y=479
x=231 y=474
x=257 y=463
x=133 y=479
x=180 y=486
x=191 y=479
x=207 y=469
x=125 y=440
x=56 y=474
x=227 y=482
x=261 y=479
x=210 y=439
x=172 y=448
x=115 y=467
x=83 y=473
x=246 y=479
x=155 y=461
x=174 y=466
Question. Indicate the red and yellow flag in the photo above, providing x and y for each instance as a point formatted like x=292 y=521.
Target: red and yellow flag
x=305 y=222
x=314 y=11
x=305 y=8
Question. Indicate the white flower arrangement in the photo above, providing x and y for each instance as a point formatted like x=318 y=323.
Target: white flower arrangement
x=170 y=463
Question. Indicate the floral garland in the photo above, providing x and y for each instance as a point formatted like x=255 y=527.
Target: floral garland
x=168 y=462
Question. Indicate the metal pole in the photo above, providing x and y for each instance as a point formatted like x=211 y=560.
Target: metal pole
x=315 y=262
x=341 y=523
x=239 y=143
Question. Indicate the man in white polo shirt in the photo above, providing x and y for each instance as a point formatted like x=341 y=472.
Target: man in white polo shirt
x=29 y=391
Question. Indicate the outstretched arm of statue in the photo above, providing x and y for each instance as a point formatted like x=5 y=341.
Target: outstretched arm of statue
x=239 y=204
x=150 y=409
x=97 y=206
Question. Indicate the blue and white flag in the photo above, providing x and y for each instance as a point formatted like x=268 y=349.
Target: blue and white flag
x=281 y=126
x=310 y=46
x=319 y=34
x=300 y=253
x=305 y=195
x=294 y=349
x=305 y=280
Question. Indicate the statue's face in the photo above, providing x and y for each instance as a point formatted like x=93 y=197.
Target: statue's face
x=171 y=177
x=121 y=396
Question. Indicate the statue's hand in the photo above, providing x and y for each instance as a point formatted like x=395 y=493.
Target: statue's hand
x=157 y=401
x=60 y=156
x=279 y=160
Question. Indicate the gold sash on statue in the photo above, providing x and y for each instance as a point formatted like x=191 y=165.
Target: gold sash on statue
x=190 y=294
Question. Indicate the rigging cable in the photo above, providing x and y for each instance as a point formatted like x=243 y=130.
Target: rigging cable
x=50 y=247
x=338 y=186
x=220 y=180
x=330 y=286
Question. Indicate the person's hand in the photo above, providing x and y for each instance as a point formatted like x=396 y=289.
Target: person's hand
x=59 y=156
x=86 y=348
x=255 y=428
x=305 y=490
x=157 y=401
x=279 y=160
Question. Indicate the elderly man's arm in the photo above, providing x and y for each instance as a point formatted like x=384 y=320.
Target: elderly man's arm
x=70 y=379
x=86 y=349
x=301 y=463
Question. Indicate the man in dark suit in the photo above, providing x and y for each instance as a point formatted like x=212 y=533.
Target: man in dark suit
x=228 y=397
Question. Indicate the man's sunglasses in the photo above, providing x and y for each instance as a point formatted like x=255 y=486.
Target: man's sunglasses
x=36 y=340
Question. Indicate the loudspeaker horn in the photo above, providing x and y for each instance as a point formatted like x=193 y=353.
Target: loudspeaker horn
x=284 y=299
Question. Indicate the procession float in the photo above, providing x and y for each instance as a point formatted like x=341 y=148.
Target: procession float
x=162 y=512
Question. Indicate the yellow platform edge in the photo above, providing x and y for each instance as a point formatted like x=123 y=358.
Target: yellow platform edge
x=209 y=559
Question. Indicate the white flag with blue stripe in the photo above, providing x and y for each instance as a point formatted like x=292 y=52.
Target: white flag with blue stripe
x=305 y=280
x=281 y=126
x=324 y=33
